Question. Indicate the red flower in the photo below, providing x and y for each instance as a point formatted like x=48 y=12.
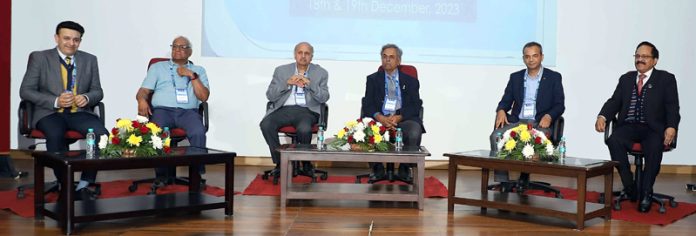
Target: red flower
x=372 y=139
x=114 y=131
x=346 y=129
x=359 y=120
x=167 y=149
x=115 y=140
x=350 y=139
x=513 y=134
x=529 y=126
x=372 y=123
x=144 y=129
x=537 y=140
x=382 y=129
x=136 y=124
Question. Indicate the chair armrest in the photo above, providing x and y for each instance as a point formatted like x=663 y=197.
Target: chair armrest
x=99 y=110
x=557 y=131
x=203 y=111
x=609 y=128
x=25 y=113
x=323 y=115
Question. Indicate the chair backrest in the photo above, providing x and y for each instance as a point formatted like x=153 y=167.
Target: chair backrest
x=406 y=69
x=155 y=60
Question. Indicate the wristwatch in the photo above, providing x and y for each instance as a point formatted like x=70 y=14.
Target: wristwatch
x=195 y=76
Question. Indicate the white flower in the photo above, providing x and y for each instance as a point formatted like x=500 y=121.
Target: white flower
x=103 y=140
x=360 y=127
x=501 y=143
x=141 y=119
x=549 y=149
x=345 y=147
x=359 y=135
x=366 y=120
x=528 y=151
x=156 y=142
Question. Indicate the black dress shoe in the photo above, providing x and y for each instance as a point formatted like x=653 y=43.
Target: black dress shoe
x=645 y=203
x=405 y=173
x=307 y=167
x=505 y=187
x=85 y=194
x=629 y=194
x=376 y=175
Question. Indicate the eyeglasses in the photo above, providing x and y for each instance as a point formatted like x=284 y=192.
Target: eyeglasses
x=182 y=47
x=638 y=57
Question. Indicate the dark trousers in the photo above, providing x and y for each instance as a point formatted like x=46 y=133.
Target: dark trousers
x=620 y=143
x=188 y=119
x=412 y=132
x=54 y=127
x=299 y=117
x=503 y=175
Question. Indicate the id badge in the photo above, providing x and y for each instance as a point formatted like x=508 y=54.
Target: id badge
x=300 y=97
x=528 y=110
x=182 y=96
x=390 y=105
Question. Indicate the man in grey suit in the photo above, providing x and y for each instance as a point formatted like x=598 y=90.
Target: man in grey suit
x=63 y=84
x=295 y=94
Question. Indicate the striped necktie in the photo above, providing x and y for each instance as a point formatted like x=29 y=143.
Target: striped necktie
x=641 y=77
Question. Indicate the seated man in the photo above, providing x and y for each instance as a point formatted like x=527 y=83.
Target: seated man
x=647 y=104
x=295 y=93
x=177 y=88
x=63 y=84
x=533 y=95
x=393 y=99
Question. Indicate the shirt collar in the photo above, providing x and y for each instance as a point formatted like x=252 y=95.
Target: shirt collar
x=647 y=73
x=62 y=56
x=527 y=76
x=395 y=74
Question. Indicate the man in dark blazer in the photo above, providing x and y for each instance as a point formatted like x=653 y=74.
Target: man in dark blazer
x=63 y=84
x=533 y=95
x=393 y=99
x=647 y=104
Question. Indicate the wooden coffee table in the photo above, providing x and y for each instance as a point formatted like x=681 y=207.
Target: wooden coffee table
x=67 y=211
x=342 y=191
x=574 y=210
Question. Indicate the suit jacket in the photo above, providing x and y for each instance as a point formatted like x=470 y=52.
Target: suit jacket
x=316 y=93
x=411 y=103
x=43 y=83
x=550 y=97
x=661 y=101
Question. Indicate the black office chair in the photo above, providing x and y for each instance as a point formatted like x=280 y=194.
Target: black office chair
x=176 y=135
x=26 y=129
x=291 y=132
x=522 y=186
x=637 y=153
x=390 y=175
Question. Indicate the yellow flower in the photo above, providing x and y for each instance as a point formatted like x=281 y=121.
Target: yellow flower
x=375 y=130
x=135 y=140
x=125 y=124
x=520 y=128
x=341 y=133
x=167 y=142
x=510 y=144
x=154 y=128
x=351 y=123
x=548 y=142
x=525 y=136
x=378 y=138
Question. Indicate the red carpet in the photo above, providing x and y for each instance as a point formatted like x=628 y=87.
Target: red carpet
x=433 y=187
x=629 y=210
x=25 y=207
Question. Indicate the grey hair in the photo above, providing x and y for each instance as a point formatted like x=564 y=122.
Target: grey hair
x=399 y=52
x=311 y=48
x=188 y=42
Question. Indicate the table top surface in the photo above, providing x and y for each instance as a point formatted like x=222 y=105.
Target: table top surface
x=79 y=155
x=290 y=148
x=487 y=155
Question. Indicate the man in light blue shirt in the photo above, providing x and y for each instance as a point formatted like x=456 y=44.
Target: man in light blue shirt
x=173 y=90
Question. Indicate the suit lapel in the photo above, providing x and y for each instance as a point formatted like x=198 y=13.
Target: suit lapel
x=380 y=85
x=81 y=66
x=55 y=78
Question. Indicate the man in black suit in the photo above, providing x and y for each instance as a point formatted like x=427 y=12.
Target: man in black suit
x=533 y=95
x=647 y=104
x=393 y=99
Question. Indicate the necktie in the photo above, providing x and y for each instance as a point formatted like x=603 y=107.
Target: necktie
x=391 y=86
x=68 y=60
x=641 y=77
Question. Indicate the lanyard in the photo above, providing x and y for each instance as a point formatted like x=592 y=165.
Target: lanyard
x=171 y=72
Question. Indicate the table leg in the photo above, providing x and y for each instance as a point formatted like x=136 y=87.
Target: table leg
x=421 y=182
x=68 y=201
x=39 y=199
x=284 y=178
x=484 y=186
x=194 y=178
x=451 y=184
x=582 y=191
x=229 y=186
x=608 y=187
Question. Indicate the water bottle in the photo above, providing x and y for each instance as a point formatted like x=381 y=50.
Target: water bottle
x=399 y=140
x=91 y=143
x=498 y=139
x=320 y=138
x=165 y=133
x=562 y=148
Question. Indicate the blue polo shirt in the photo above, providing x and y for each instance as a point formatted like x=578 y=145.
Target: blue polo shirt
x=162 y=78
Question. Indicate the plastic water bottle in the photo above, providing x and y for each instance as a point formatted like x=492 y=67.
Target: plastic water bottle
x=498 y=139
x=320 y=138
x=562 y=148
x=91 y=143
x=399 y=140
x=165 y=133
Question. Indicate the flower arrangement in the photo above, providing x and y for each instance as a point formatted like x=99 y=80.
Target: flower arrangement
x=137 y=137
x=525 y=142
x=364 y=134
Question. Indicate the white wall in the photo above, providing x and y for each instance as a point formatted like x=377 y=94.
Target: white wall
x=595 y=42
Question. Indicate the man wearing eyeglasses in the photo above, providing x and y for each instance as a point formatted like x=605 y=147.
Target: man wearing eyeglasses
x=532 y=96
x=647 y=104
x=63 y=84
x=295 y=94
x=171 y=93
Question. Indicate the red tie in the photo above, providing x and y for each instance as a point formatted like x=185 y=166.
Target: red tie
x=641 y=77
